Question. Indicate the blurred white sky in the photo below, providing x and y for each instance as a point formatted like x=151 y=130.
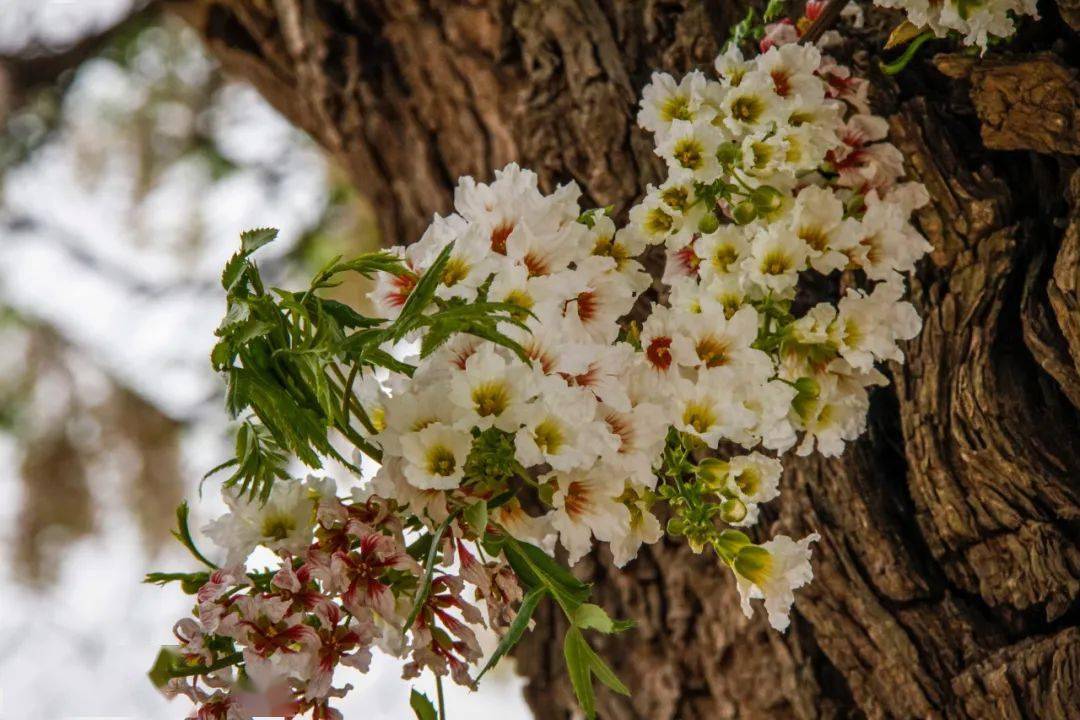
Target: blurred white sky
x=144 y=311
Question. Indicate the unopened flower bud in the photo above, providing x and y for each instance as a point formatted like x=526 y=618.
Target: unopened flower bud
x=744 y=212
x=766 y=199
x=754 y=563
x=732 y=510
x=712 y=471
x=708 y=223
x=728 y=153
x=676 y=526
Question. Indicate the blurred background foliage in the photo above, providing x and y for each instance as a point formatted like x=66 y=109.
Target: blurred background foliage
x=122 y=107
x=128 y=167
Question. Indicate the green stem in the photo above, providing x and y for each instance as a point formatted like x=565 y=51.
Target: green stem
x=909 y=54
x=439 y=697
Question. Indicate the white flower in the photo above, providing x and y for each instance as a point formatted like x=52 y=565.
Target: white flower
x=600 y=296
x=490 y=391
x=664 y=341
x=586 y=505
x=599 y=369
x=721 y=251
x=643 y=528
x=818 y=220
x=772 y=571
x=777 y=255
x=522 y=526
x=663 y=101
x=713 y=341
x=561 y=428
x=791 y=69
x=868 y=326
x=408 y=412
x=709 y=408
x=751 y=104
x=435 y=456
x=753 y=479
x=284 y=523
x=640 y=433
x=690 y=151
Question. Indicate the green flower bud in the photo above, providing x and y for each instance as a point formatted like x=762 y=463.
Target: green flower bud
x=732 y=510
x=766 y=199
x=729 y=542
x=744 y=212
x=754 y=563
x=712 y=470
x=676 y=526
x=728 y=154
x=708 y=223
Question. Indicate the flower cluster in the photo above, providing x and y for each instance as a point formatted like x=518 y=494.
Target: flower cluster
x=978 y=22
x=562 y=414
x=559 y=393
x=777 y=183
x=345 y=585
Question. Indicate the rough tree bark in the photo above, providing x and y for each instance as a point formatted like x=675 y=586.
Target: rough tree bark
x=949 y=568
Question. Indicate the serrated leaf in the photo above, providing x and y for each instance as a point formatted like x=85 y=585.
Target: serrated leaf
x=537 y=569
x=774 y=10
x=421 y=706
x=233 y=272
x=590 y=616
x=517 y=628
x=252 y=240
x=429 y=571
x=577 y=666
x=582 y=663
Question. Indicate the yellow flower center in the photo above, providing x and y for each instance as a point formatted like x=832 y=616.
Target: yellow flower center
x=277 y=527
x=776 y=262
x=689 y=153
x=698 y=416
x=724 y=256
x=440 y=461
x=607 y=247
x=549 y=436
x=712 y=351
x=658 y=222
x=490 y=398
x=676 y=107
x=455 y=271
x=747 y=108
x=676 y=197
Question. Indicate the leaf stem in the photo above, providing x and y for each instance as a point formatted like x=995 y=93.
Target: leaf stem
x=439 y=697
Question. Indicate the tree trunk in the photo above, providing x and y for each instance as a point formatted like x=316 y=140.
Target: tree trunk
x=947 y=577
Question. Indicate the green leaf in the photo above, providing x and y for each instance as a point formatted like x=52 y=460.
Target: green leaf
x=233 y=272
x=517 y=628
x=189 y=582
x=170 y=663
x=575 y=650
x=582 y=663
x=252 y=240
x=421 y=706
x=537 y=569
x=161 y=672
x=429 y=571
x=476 y=517
x=183 y=535
x=594 y=617
x=774 y=10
